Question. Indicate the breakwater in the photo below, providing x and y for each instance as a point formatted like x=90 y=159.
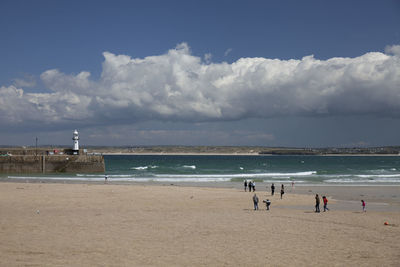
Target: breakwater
x=52 y=164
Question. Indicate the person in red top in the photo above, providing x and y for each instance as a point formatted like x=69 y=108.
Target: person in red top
x=363 y=205
x=325 y=203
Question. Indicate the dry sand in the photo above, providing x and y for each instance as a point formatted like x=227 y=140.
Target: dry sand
x=153 y=225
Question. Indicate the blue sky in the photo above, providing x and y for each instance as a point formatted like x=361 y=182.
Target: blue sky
x=46 y=45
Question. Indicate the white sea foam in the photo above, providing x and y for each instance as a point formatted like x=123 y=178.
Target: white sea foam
x=97 y=175
x=378 y=175
x=362 y=181
x=212 y=178
x=304 y=177
x=239 y=175
x=189 y=166
x=140 y=168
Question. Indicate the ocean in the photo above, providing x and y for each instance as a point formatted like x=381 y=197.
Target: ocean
x=302 y=170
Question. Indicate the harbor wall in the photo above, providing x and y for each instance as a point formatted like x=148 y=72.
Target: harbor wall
x=52 y=164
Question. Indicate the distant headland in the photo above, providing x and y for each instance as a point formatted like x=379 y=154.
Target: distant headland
x=246 y=150
x=212 y=150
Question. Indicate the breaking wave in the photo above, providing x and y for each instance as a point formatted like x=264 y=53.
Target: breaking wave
x=193 y=167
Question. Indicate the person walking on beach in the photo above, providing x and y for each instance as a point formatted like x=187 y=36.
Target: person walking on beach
x=272 y=189
x=254 y=186
x=250 y=185
x=317 y=200
x=325 y=203
x=255 y=202
x=282 y=191
x=245 y=185
x=105 y=178
x=363 y=205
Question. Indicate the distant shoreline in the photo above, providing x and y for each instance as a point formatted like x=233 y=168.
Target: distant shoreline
x=242 y=154
x=188 y=154
x=207 y=150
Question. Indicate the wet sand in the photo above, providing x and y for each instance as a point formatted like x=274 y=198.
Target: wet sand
x=168 y=225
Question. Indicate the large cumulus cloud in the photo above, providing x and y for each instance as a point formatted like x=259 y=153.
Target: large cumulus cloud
x=179 y=86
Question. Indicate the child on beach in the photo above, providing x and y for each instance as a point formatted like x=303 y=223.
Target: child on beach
x=363 y=205
x=267 y=203
x=325 y=203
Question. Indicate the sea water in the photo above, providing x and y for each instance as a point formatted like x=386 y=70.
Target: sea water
x=302 y=170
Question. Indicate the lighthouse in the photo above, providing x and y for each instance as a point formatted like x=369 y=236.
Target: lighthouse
x=75 y=137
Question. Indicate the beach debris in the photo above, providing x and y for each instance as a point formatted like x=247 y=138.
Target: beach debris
x=37 y=211
x=390 y=224
x=191 y=197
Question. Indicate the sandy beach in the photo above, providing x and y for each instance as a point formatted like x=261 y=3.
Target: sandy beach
x=45 y=224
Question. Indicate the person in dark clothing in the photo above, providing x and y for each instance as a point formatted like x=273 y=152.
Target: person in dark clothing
x=245 y=185
x=255 y=202
x=325 y=200
x=250 y=185
x=282 y=191
x=272 y=189
x=267 y=203
x=317 y=200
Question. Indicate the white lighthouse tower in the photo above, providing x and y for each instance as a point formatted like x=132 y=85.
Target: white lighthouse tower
x=75 y=137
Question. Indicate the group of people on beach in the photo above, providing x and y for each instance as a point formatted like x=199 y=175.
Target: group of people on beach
x=249 y=184
x=255 y=202
x=273 y=190
x=268 y=202
x=255 y=197
x=317 y=202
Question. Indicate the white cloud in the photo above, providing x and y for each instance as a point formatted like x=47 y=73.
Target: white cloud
x=207 y=58
x=179 y=86
x=393 y=49
x=27 y=82
x=228 y=51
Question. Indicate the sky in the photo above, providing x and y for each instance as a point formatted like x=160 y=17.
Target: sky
x=247 y=73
